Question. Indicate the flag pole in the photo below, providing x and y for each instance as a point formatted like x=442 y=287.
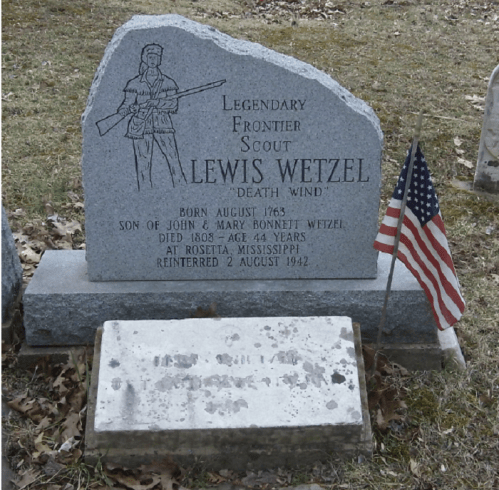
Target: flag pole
x=382 y=321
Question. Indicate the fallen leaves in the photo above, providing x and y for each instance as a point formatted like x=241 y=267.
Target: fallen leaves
x=477 y=102
x=384 y=398
x=28 y=477
x=163 y=475
x=458 y=142
x=466 y=163
x=58 y=418
x=36 y=236
x=210 y=312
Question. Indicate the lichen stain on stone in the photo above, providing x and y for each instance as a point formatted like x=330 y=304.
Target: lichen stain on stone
x=337 y=378
x=217 y=381
x=351 y=352
x=289 y=357
x=116 y=383
x=291 y=380
x=244 y=382
x=346 y=334
x=168 y=383
x=230 y=339
x=113 y=363
x=315 y=374
x=258 y=345
x=225 y=359
x=226 y=407
x=266 y=381
x=356 y=415
x=166 y=361
x=331 y=405
x=130 y=402
x=185 y=362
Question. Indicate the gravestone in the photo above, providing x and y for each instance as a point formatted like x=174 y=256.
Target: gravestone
x=257 y=393
x=206 y=157
x=216 y=170
x=12 y=273
x=487 y=169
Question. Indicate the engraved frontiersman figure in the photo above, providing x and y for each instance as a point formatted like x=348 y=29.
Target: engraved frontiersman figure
x=146 y=97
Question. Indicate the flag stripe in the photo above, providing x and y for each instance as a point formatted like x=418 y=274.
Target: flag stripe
x=435 y=238
x=444 y=302
x=442 y=322
x=438 y=257
x=423 y=246
x=426 y=281
x=427 y=286
x=439 y=243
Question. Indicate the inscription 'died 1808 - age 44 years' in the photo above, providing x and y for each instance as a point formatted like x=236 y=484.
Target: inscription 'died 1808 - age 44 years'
x=210 y=158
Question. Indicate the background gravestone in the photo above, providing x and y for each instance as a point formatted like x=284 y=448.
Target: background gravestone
x=487 y=169
x=12 y=273
x=230 y=162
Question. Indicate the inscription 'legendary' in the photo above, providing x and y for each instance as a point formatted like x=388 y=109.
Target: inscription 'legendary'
x=263 y=105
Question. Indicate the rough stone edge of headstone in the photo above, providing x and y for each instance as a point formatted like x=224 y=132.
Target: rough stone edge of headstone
x=480 y=182
x=12 y=325
x=236 y=46
x=15 y=294
x=366 y=446
x=451 y=350
x=92 y=453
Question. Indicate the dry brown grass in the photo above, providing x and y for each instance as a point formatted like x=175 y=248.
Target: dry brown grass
x=399 y=56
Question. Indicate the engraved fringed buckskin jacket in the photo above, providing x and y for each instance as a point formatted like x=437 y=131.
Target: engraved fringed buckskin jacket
x=149 y=120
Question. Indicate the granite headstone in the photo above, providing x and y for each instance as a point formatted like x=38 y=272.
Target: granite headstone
x=206 y=157
x=487 y=169
x=215 y=171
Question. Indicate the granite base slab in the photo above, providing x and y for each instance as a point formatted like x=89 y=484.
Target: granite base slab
x=62 y=307
x=258 y=393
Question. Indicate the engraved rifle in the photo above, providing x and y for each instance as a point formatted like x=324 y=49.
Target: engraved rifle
x=109 y=122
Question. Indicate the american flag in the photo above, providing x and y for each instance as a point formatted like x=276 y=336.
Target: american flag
x=423 y=244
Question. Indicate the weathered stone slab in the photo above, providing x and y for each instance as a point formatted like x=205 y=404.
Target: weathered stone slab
x=253 y=388
x=12 y=272
x=271 y=172
x=62 y=307
x=487 y=169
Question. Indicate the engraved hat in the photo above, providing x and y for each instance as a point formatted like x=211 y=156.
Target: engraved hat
x=151 y=49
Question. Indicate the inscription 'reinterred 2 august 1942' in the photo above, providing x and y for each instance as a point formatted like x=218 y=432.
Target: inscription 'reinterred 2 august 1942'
x=205 y=157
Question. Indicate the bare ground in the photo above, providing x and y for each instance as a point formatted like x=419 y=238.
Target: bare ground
x=400 y=57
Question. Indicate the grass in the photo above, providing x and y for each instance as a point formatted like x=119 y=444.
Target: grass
x=400 y=57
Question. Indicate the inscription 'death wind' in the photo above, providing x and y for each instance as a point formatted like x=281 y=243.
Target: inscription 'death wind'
x=241 y=178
